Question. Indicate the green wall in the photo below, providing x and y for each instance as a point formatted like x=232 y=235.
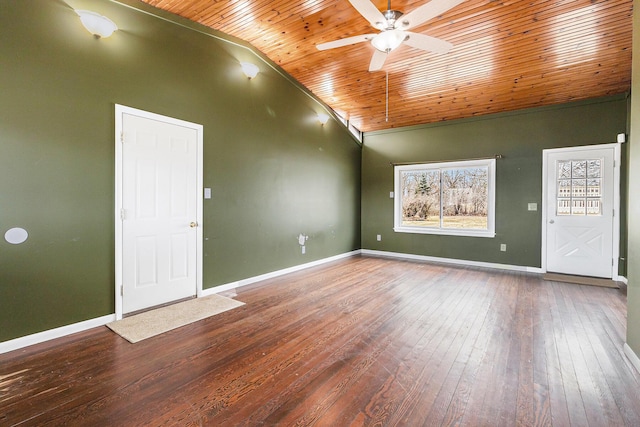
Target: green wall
x=633 y=289
x=518 y=136
x=274 y=171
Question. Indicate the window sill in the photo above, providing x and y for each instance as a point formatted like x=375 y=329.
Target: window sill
x=446 y=232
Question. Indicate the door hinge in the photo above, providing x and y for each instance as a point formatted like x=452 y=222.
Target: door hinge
x=122 y=137
x=121 y=290
x=122 y=214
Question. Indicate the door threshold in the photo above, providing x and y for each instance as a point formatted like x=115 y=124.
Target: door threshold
x=581 y=280
x=144 y=310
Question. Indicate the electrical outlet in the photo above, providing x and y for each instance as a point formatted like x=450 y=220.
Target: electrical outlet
x=304 y=249
x=503 y=247
x=379 y=237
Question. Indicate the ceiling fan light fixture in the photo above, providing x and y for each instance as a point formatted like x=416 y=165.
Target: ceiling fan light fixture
x=389 y=40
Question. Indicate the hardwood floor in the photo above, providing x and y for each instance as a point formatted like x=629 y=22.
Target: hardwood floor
x=362 y=341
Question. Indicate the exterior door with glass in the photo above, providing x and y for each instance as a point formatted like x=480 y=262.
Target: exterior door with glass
x=580 y=195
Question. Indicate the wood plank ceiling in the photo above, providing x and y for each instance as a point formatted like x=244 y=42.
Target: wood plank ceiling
x=507 y=54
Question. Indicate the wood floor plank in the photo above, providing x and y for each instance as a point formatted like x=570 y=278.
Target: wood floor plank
x=374 y=328
x=568 y=372
x=448 y=405
x=550 y=362
x=356 y=342
x=614 y=401
x=431 y=349
x=590 y=390
x=459 y=401
x=526 y=393
x=362 y=389
x=486 y=396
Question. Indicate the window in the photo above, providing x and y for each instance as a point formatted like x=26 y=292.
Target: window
x=354 y=130
x=579 y=187
x=455 y=198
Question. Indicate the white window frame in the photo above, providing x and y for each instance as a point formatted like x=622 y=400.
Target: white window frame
x=491 y=203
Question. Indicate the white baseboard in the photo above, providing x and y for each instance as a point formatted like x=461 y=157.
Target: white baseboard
x=244 y=282
x=621 y=279
x=50 y=334
x=62 y=331
x=632 y=356
x=452 y=261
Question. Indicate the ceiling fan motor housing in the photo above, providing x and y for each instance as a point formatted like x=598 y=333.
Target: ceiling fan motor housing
x=391 y=17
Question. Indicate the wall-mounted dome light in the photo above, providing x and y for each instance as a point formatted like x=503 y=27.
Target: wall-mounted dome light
x=323 y=118
x=250 y=70
x=96 y=24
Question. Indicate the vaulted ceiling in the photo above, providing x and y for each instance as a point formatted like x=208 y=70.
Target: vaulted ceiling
x=507 y=54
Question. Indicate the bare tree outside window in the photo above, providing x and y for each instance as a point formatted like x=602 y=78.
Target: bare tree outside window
x=464 y=193
x=421 y=198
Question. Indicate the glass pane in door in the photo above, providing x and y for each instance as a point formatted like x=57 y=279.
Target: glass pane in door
x=579 y=187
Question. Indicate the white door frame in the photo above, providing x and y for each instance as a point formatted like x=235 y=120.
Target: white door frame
x=616 y=199
x=120 y=111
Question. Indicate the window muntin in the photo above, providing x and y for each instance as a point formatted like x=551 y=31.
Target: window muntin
x=579 y=187
x=455 y=198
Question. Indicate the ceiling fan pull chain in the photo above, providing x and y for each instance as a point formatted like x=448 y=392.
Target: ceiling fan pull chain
x=387 y=99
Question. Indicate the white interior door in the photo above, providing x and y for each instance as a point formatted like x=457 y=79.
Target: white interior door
x=159 y=210
x=580 y=196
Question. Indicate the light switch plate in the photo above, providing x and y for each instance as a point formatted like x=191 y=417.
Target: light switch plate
x=533 y=206
x=207 y=193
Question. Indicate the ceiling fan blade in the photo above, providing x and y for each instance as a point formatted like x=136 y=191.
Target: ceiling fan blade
x=345 y=42
x=424 y=42
x=425 y=12
x=370 y=12
x=377 y=60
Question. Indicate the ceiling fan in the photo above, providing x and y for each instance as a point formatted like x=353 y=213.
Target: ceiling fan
x=393 y=26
